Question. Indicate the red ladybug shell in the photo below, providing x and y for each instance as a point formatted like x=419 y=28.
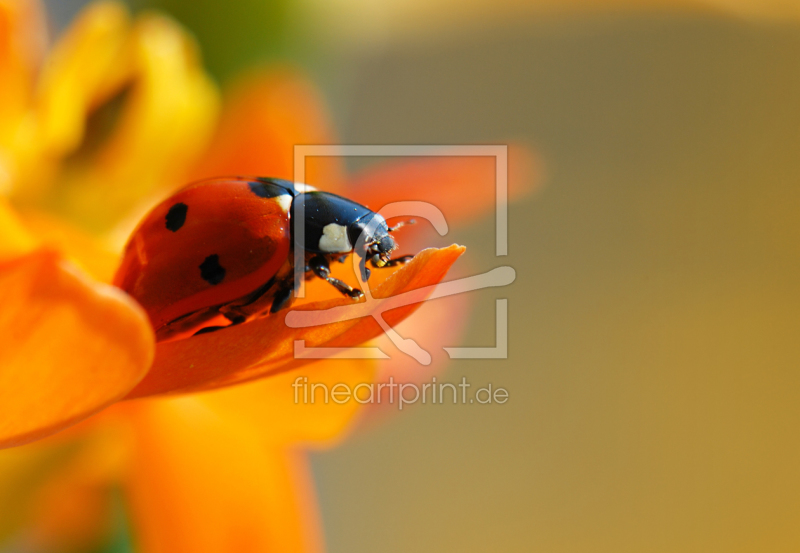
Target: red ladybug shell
x=211 y=243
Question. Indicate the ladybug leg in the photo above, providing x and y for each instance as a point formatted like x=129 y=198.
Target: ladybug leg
x=399 y=261
x=185 y=323
x=235 y=318
x=319 y=266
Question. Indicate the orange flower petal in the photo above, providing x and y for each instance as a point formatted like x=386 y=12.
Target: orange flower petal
x=23 y=38
x=434 y=326
x=23 y=472
x=14 y=237
x=265 y=346
x=302 y=420
x=201 y=482
x=463 y=188
x=68 y=346
x=70 y=510
x=21 y=234
x=267 y=113
x=83 y=249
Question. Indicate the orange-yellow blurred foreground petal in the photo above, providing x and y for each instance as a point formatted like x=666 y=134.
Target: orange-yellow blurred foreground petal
x=68 y=346
x=201 y=481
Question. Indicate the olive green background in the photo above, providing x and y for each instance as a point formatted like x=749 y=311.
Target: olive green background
x=653 y=350
x=653 y=354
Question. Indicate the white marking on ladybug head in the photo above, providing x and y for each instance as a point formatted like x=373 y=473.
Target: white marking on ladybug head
x=285 y=201
x=334 y=239
x=303 y=188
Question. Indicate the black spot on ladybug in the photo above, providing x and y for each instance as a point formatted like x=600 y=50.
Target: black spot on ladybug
x=211 y=271
x=176 y=216
x=271 y=188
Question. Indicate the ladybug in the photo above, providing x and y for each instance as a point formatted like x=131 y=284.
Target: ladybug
x=223 y=250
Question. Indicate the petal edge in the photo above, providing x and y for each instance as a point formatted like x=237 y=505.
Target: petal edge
x=68 y=346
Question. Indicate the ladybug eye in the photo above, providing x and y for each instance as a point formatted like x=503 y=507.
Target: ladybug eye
x=386 y=244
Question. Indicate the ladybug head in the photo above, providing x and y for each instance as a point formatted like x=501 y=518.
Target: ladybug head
x=378 y=243
x=336 y=225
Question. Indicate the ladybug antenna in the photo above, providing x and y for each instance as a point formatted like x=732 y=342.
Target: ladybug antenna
x=401 y=224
